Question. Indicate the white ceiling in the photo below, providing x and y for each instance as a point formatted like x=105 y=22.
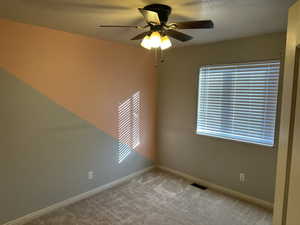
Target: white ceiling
x=232 y=18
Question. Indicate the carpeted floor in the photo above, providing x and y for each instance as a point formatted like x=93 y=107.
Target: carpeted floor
x=158 y=198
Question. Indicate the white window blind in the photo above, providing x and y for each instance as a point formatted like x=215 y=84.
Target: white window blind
x=239 y=101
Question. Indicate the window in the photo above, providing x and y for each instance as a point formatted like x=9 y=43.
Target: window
x=238 y=101
x=129 y=131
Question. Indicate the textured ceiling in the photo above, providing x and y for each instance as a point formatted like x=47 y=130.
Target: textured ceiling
x=232 y=18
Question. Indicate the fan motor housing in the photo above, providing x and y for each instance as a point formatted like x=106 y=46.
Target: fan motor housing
x=163 y=11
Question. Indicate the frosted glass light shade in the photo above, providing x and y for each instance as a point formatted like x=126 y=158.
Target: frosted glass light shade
x=146 y=43
x=155 y=39
x=165 y=43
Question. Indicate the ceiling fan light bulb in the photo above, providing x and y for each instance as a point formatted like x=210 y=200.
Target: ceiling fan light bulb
x=146 y=43
x=155 y=39
x=165 y=43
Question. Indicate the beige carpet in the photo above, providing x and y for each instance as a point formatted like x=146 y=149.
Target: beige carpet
x=158 y=198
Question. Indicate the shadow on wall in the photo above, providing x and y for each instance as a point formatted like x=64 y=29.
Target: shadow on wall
x=128 y=126
x=48 y=152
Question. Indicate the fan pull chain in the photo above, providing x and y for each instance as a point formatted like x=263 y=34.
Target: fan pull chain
x=159 y=56
x=162 y=59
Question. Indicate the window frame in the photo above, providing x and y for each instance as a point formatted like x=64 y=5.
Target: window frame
x=278 y=101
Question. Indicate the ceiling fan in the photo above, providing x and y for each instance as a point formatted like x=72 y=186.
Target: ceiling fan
x=156 y=17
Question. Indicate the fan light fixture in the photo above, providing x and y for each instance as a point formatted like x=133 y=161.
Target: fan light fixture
x=157 y=26
x=156 y=41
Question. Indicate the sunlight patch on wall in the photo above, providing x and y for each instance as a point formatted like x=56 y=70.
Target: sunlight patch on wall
x=128 y=129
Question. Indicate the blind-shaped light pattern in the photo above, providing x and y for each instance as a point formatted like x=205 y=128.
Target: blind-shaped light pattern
x=124 y=148
x=135 y=120
x=239 y=101
x=129 y=133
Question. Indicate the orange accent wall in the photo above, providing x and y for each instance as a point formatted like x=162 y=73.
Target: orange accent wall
x=87 y=76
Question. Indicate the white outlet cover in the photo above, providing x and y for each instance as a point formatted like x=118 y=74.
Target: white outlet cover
x=90 y=175
x=242 y=177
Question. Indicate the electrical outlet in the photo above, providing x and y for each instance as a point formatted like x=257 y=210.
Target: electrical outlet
x=242 y=177
x=91 y=175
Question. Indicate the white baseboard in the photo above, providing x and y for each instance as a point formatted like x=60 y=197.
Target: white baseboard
x=44 y=211
x=227 y=191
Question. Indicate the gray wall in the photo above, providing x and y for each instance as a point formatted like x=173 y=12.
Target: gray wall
x=216 y=160
x=46 y=152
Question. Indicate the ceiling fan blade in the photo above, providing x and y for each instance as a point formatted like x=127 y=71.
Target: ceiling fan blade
x=141 y=36
x=200 y=24
x=150 y=16
x=119 y=26
x=178 y=35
